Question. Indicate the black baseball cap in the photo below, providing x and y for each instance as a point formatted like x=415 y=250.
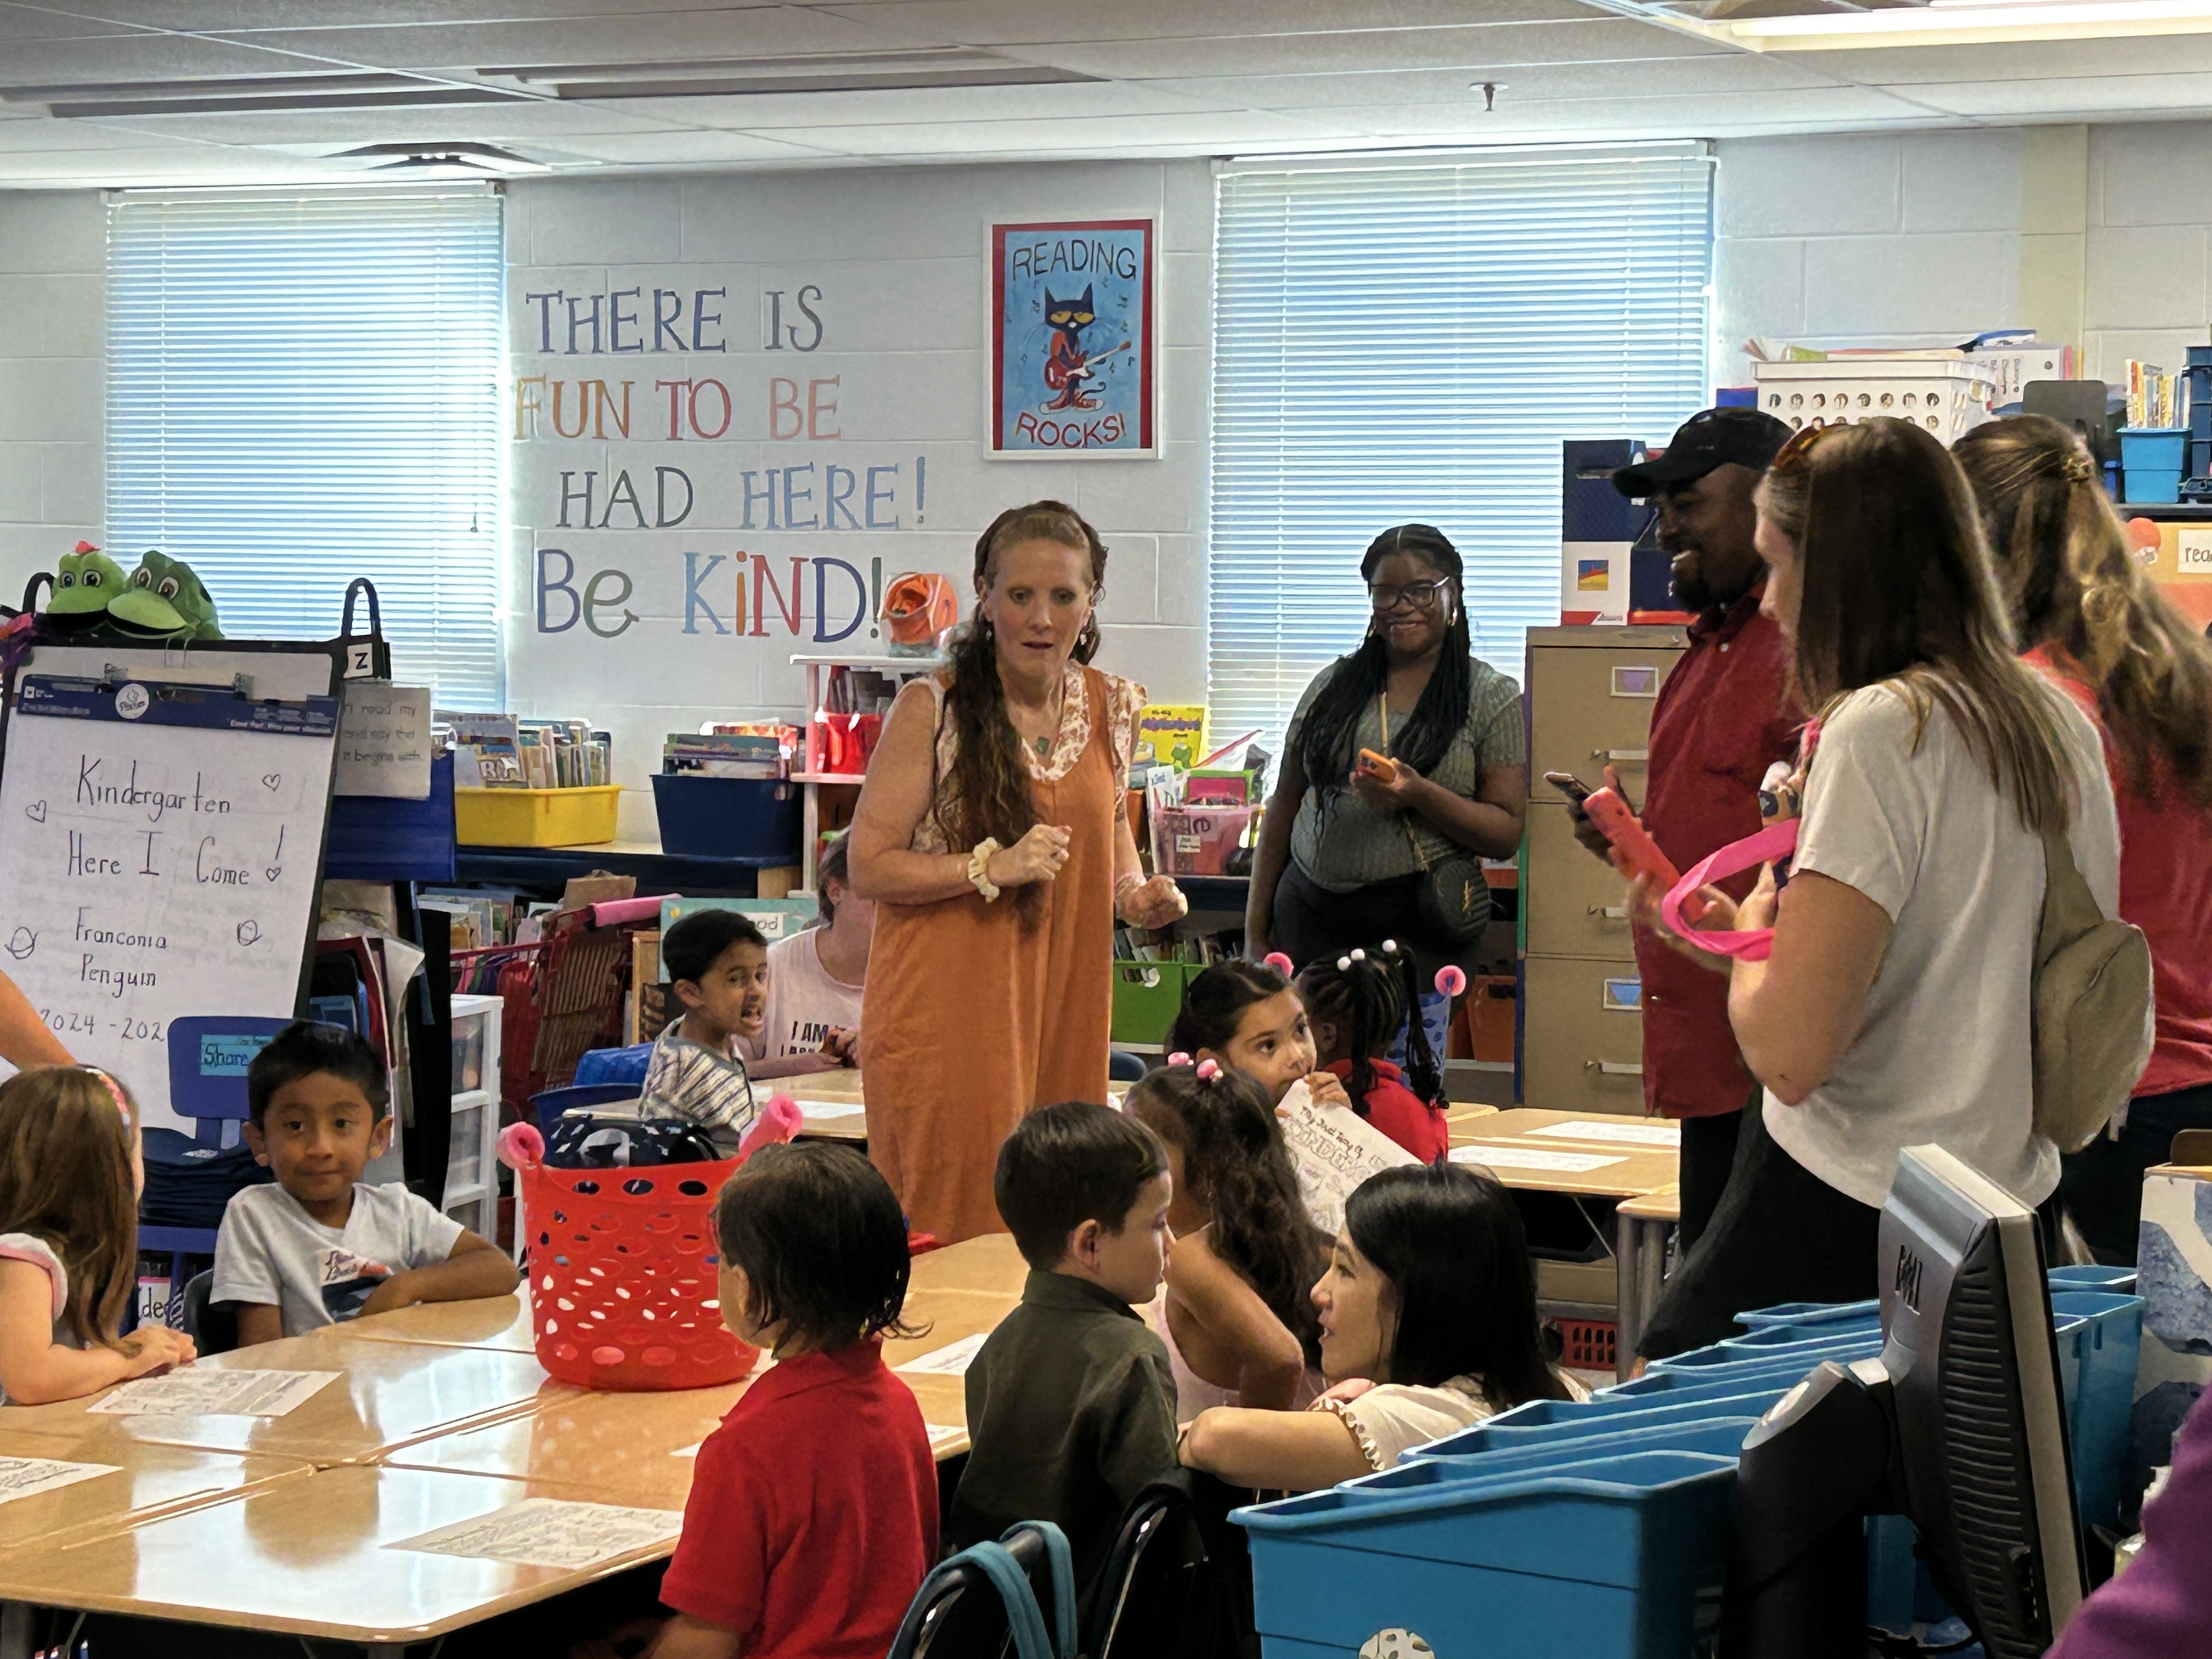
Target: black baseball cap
x=1710 y=438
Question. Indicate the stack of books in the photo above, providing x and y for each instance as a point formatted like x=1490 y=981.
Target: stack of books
x=748 y=751
x=498 y=751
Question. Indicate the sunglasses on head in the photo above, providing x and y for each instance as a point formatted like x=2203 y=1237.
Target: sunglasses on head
x=1800 y=445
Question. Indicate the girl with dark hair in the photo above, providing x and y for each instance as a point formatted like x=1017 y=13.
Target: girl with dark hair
x=1350 y=852
x=1238 y=1327
x=2105 y=634
x=991 y=834
x=1428 y=1326
x=1895 y=1009
x=1247 y=1015
x=1359 y=1003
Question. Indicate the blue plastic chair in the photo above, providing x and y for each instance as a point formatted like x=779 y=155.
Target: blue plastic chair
x=615 y=1066
x=1124 y=1068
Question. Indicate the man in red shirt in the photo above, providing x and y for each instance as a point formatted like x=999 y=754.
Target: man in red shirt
x=1723 y=716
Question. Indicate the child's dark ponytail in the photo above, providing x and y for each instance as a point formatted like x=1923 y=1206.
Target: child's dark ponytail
x=1234 y=1158
x=1368 y=997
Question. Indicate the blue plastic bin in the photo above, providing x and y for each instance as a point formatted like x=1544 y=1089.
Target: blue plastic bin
x=1616 y=1559
x=703 y=817
x=2120 y=1281
x=377 y=838
x=1718 y=1433
x=1705 y=1382
x=2151 y=461
x=1563 y=1434
x=2102 y=1353
x=1845 y=1348
x=1809 y=1313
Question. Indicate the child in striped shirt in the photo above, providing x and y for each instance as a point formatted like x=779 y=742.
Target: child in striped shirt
x=717 y=965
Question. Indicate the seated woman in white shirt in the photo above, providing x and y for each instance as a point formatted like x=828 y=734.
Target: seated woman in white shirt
x=1428 y=1326
x=815 y=980
x=1895 y=1008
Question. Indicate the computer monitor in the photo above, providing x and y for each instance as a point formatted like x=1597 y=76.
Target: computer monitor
x=1960 y=1424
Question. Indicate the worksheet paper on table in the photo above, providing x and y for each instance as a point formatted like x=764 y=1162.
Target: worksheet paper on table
x=950 y=1360
x=26 y=1477
x=942 y=1435
x=1530 y=1158
x=207 y=1391
x=1628 y=1132
x=815 y=1111
x=550 y=1532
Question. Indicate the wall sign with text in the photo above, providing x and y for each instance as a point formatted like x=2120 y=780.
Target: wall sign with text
x=1072 y=325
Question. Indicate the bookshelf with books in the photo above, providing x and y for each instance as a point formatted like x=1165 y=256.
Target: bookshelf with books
x=848 y=696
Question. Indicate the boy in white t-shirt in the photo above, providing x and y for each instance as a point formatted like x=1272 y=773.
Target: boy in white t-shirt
x=815 y=981
x=319 y=1245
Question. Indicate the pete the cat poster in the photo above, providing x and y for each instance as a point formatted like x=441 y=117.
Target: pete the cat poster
x=1071 y=338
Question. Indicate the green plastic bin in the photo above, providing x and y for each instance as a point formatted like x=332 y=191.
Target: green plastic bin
x=1147 y=996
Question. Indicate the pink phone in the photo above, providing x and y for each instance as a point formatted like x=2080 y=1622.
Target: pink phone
x=1610 y=813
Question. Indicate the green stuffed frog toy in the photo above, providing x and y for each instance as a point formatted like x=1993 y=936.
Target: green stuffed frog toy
x=163 y=599
x=86 y=581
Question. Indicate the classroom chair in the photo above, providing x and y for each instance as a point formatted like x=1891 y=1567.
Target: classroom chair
x=964 y=1608
x=1123 y=1067
x=615 y=1066
x=1154 y=1597
x=212 y=1328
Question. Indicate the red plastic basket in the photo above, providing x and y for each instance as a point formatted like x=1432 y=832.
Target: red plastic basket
x=1588 y=1345
x=623 y=1271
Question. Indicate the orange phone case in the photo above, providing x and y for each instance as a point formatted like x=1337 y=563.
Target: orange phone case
x=1378 y=766
x=1610 y=813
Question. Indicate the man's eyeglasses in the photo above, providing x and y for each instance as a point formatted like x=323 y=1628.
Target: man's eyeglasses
x=1408 y=596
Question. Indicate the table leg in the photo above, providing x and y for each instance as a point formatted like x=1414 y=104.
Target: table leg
x=16 y=1630
x=1650 y=1263
x=1628 y=1310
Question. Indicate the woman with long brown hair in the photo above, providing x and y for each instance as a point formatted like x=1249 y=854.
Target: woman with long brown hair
x=2106 y=636
x=990 y=833
x=1894 y=1010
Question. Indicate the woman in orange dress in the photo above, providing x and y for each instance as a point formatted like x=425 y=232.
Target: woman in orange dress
x=990 y=833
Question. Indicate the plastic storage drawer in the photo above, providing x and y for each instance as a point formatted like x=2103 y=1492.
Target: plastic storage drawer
x=704 y=818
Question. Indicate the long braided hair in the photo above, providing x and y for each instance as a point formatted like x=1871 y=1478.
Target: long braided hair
x=1369 y=996
x=1235 y=1161
x=1330 y=737
x=990 y=795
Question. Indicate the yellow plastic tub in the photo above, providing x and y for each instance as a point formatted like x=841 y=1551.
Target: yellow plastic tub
x=535 y=817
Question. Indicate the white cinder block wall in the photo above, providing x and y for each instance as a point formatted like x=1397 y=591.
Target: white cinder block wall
x=899 y=258
x=1916 y=239
x=53 y=255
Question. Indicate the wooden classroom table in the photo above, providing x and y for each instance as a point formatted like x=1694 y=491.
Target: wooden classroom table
x=388 y=1394
x=150 y=1482
x=500 y=1322
x=309 y=1558
x=1534 y=1122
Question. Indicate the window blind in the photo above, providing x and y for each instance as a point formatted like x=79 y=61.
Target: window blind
x=302 y=388
x=1410 y=341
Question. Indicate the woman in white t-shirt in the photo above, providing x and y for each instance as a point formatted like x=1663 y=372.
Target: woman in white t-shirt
x=815 y=981
x=1894 y=1010
x=1428 y=1326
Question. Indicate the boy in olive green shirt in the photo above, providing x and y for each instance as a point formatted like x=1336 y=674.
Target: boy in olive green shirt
x=1071 y=1403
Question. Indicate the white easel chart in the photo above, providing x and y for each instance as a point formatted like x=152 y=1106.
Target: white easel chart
x=159 y=850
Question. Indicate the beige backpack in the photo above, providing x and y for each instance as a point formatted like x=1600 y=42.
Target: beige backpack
x=2091 y=1001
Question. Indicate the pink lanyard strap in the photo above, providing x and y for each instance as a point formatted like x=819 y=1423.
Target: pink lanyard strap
x=1777 y=840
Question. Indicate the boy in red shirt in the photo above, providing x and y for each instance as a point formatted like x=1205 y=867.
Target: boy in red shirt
x=813 y=1510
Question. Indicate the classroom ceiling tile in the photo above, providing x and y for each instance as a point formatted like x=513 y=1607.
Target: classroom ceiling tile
x=45 y=23
x=1606 y=78
x=2122 y=97
x=2015 y=60
x=486 y=122
x=230 y=16
x=926 y=104
x=687 y=148
x=1394 y=49
x=751 y=32
x=1179 y=134
x=994 y=23
x=139 y=56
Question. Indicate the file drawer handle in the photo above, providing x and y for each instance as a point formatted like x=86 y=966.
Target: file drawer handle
x=1613 y=1068
x=1610 y=912
x=1622 y=756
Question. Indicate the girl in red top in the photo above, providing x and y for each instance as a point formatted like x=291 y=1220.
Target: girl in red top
x=813 y=1510
x=1359 y=1003
x=2102 y=631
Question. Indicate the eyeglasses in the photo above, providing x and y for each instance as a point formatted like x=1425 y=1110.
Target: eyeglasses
x=1417 y=596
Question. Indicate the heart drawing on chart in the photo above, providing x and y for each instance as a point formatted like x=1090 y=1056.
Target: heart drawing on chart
x=249 y=931
x=270 y=780
x=274 y=871
x=36 y=811
x=22 y=943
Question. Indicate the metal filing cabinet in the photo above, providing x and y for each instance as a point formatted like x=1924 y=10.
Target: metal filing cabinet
x=1590 y=696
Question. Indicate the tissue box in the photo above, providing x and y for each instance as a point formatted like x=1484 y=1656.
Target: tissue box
x=1198 y=840
x=2173 y=1269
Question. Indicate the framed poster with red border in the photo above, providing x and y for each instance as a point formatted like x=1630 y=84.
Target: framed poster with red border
x=1074 y=327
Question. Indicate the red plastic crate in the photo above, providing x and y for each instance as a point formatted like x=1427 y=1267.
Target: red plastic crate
x=1588 y=1345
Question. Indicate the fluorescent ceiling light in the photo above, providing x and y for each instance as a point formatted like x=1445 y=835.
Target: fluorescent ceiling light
x=232 y=95
x=825 y=72
x=1839 y=25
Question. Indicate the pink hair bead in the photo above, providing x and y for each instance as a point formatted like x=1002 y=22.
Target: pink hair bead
x=1279 y=963
x=1452 y=979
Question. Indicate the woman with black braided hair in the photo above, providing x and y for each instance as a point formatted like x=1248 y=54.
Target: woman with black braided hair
x=1403 y=767
x=1358 y=1003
